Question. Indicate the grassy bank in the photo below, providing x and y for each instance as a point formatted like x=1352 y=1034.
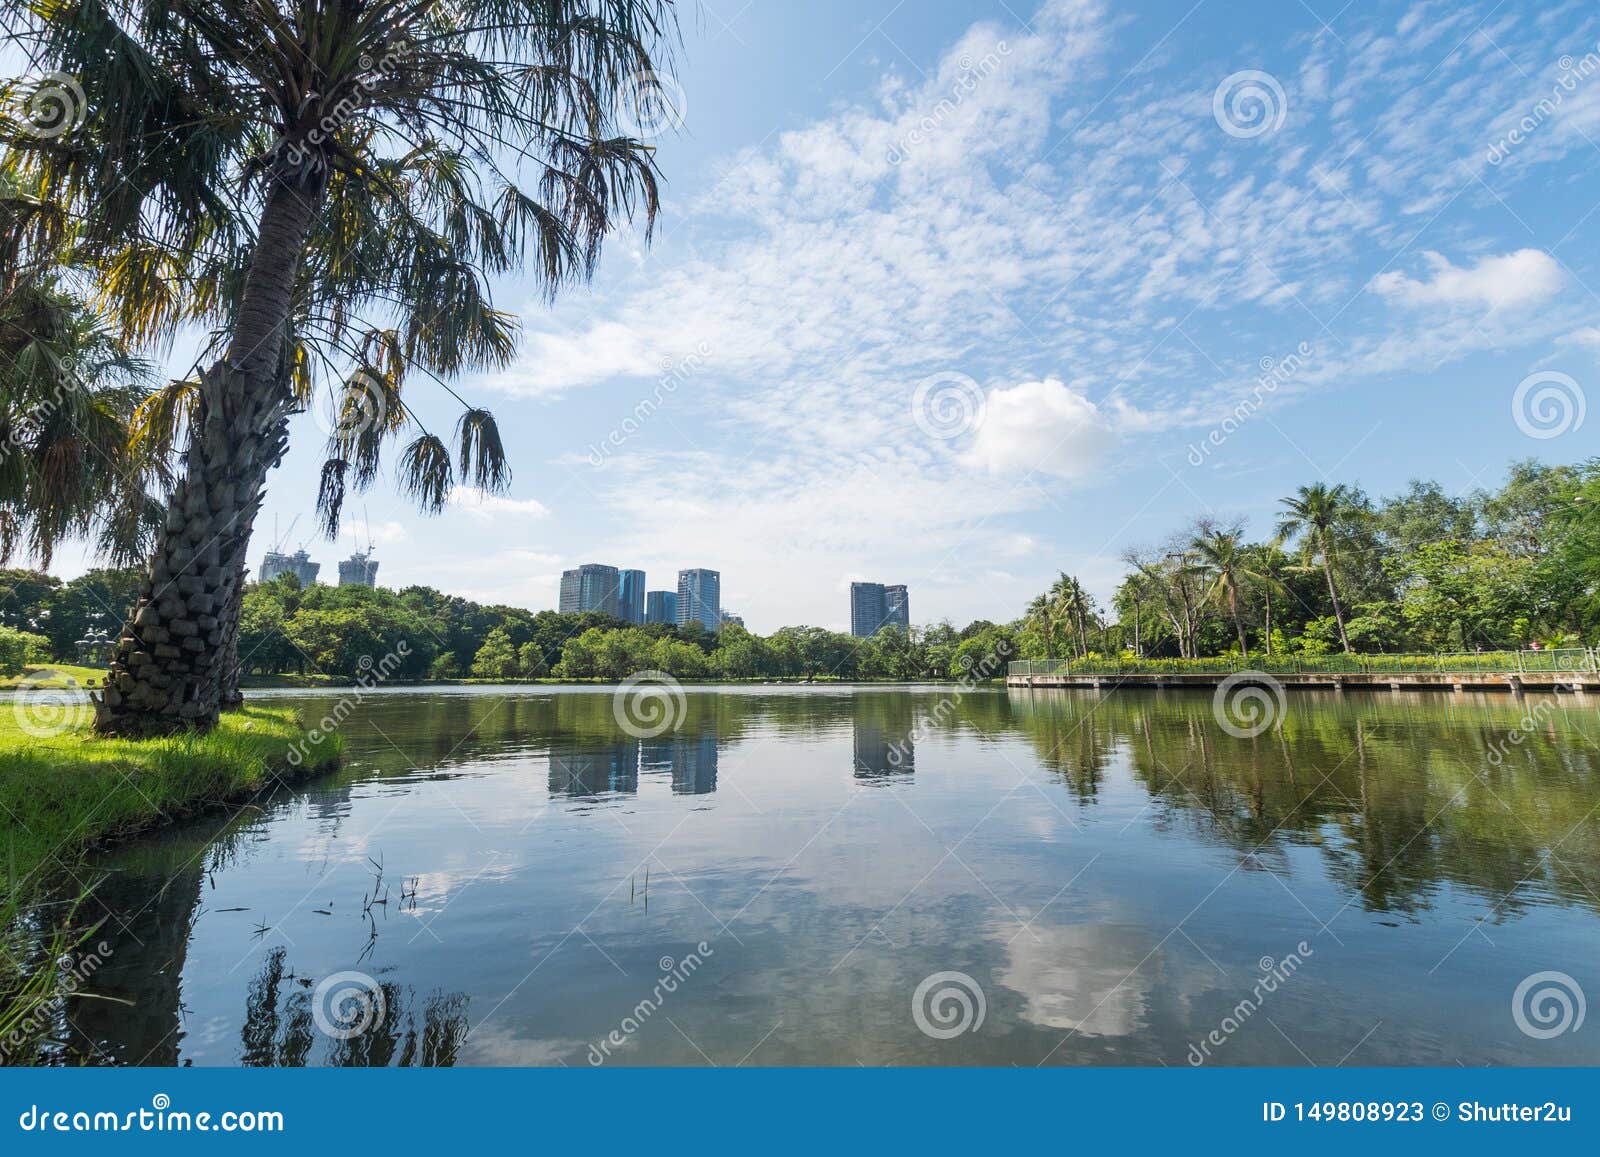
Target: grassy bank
x=54 y=675
x=64 y=790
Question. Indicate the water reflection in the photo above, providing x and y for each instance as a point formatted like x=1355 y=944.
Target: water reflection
x=1105 y=868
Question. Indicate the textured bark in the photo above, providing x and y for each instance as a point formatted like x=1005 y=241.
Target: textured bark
x=170 y=669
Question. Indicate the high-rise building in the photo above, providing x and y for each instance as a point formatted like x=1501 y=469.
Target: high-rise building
x=630 y=594
x=359 y=570
x=700 y=598
x=591 y=587
x=897 y=607
x=732 y=620
x=661 y=607
x=874 y=606
x=298 y=564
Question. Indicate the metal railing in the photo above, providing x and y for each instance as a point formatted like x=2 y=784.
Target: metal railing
x=1552 y=661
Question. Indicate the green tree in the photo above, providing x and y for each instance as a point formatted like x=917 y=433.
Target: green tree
x=330 y=186
x=497 y=658
x=1319 y=512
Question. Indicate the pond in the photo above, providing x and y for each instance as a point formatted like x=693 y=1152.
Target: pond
x=868 y=875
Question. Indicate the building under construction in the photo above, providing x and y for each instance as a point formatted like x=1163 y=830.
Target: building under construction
x=359 y=570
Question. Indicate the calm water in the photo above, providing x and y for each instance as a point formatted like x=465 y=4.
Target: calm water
x=1110 y=877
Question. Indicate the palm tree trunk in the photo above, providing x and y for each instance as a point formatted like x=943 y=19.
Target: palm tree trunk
x=1333 y=594
x=169 y=670
x=1238 y=623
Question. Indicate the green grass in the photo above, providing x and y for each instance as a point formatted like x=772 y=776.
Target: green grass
x=55 y=675
x=64 y=790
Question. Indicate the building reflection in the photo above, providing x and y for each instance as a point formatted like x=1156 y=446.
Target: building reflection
x=607 y=770
x=884 y=747
x=688 y=762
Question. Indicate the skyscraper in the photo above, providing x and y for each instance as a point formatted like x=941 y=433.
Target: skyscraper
x=700 y=598
x=298 y=564
x=591 y=587
x=874 y=606
x=661 y=607
x=359 y=570
x=897 y=607
x=630 y=596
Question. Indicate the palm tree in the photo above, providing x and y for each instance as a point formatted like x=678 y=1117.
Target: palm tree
x=1319 y=511
x=68 y=392
x=1268 y=568
x=330 y=185
x=1223 y=557
x=1041 y=616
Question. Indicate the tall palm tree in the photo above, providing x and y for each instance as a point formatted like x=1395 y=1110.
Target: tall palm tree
x=1318 y=511
x=1041 y=616
x=331 y=185
x=1223 y=558
x=1269 y=567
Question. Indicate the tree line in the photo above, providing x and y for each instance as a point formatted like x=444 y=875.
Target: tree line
x=1423 y=570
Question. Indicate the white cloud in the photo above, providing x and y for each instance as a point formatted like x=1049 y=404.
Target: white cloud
x=487 y=507
x=1525 y=277
x=1040 y=426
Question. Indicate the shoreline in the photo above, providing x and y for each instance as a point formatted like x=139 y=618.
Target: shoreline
x=66 y=793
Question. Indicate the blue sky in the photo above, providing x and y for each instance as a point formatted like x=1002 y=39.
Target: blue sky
x=957 y=295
